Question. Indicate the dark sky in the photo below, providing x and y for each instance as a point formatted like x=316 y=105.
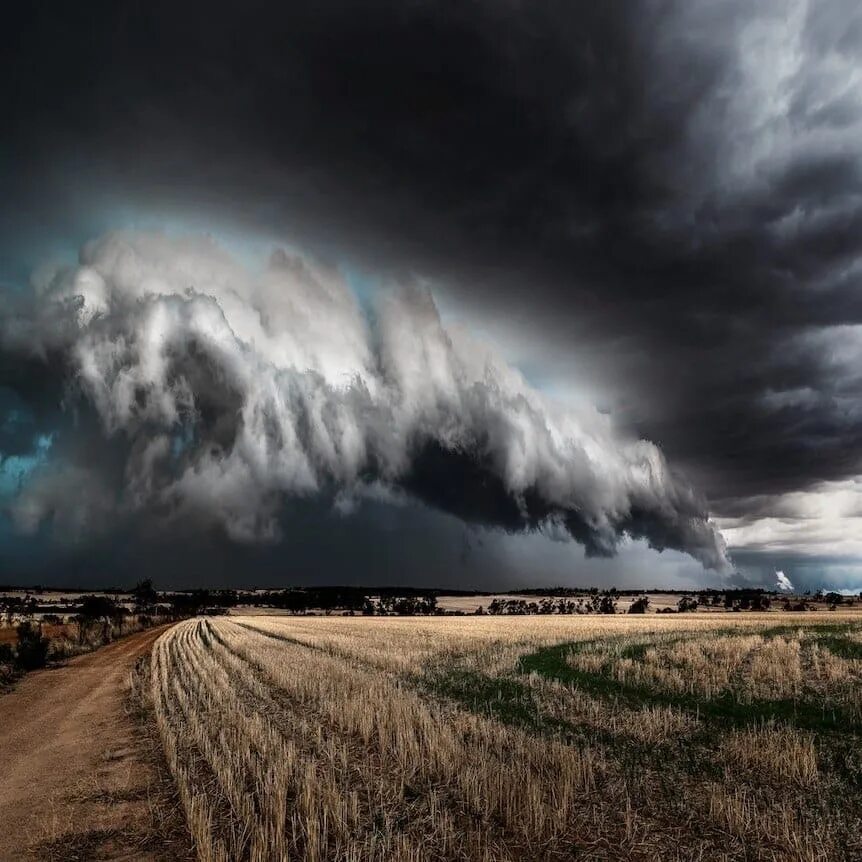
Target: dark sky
x=649 y=207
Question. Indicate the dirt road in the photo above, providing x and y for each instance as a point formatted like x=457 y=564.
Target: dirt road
x=77 y=774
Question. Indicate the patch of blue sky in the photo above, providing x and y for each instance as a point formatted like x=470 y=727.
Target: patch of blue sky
x=364 y=287
x=26 y=248
x=182 y=440
x=535 y=375
x=15 y=469
x=19 y=262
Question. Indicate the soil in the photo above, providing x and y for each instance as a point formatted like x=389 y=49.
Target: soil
x=81 y=775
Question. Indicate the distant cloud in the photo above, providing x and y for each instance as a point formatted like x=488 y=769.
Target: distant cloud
x=783 y=582
x=823 y=520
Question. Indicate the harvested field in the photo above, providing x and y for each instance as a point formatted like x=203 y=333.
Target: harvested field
x=701 y=737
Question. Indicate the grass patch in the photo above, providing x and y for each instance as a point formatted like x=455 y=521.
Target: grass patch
x=841 y=646
x=552 y=663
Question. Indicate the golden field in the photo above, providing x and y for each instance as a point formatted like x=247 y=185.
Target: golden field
x=704 y=736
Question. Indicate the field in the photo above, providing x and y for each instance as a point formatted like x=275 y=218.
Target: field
x=687 y=737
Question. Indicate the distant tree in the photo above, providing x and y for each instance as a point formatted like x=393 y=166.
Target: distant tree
x=189 y=603
x=639 y=606
x=16 y=606
x=97 y=610
x=686 y=604
x=760 y=602
x=145 y=595
x=405 y=606
x=32 y=649
x=606 y=604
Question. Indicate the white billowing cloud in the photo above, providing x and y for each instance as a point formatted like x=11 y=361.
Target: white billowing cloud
x=825 y=520
x=783 y=583
x=237 y=389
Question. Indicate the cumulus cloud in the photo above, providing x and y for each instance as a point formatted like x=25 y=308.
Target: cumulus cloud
x=230 y=391
x=783 y=582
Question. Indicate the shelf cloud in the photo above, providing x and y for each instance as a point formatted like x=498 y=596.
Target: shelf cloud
x=231 y=390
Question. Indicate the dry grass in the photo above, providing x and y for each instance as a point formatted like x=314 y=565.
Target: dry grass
x=512 y=738
x=53 y=631
x=784 y=755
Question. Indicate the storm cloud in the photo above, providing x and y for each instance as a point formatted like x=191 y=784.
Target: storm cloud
x=231 y=391
x=654 y=206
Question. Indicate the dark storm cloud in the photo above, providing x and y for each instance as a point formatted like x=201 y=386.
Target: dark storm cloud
x=678 y=180
x=207 y=392
x=682 y=176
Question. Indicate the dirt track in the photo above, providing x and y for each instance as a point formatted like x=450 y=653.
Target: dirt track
x=76 y=778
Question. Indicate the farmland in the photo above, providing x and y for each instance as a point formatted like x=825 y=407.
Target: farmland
x=656 y=737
